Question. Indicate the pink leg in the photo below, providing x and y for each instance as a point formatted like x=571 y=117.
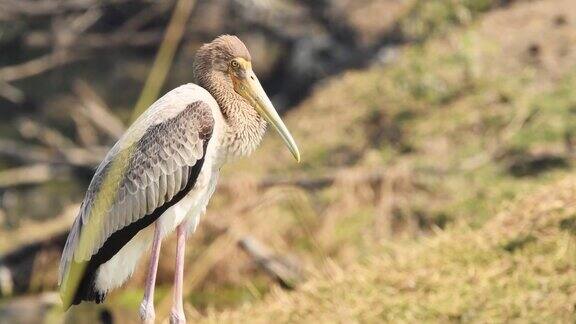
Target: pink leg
x=177 y=312
x=147 y=313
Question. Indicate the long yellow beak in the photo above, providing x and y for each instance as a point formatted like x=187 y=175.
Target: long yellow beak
x=251 y=90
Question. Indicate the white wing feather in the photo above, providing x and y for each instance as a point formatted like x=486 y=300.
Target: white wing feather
x=146 y=168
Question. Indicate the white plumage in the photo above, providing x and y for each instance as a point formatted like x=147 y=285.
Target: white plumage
x=115 y=272
x=142 y=193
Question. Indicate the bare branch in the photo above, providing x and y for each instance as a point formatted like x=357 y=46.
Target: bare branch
x=85 y=157
x=49 y=136
x=96 y=110
x=36 y=66
x=87 y=134
x=11 y=93
x=143 y=17
x=79 y=157
x=32 y=154
x=165 y=55
x=14 y=8
x=67 y=30
x=313 y=183
x=27 y=175
x=93 y=41
x=282 y=270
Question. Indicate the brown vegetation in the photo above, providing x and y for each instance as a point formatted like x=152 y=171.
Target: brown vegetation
x=401 y=209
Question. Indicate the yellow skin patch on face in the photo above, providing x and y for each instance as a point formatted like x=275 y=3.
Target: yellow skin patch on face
x=238 y=71
x=244 y=63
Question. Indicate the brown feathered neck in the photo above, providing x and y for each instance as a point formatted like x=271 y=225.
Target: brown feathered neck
x=245 y=127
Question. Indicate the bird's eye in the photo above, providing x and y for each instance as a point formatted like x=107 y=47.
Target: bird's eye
x=235 y=64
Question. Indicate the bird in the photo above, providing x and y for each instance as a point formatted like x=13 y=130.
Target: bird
x=161 y=173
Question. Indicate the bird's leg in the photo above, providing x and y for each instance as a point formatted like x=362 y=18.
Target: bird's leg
x=147 y=313
x=177 y=312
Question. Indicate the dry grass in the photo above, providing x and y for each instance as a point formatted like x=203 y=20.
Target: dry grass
x=519 y=267
x=461 y=131
x=451 y=133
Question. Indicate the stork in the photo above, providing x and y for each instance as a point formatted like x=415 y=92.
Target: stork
x=161 y=173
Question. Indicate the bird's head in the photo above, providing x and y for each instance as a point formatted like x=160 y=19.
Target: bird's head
x=229 y=56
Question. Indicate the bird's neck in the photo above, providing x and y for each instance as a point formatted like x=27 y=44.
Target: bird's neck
x=244 y=126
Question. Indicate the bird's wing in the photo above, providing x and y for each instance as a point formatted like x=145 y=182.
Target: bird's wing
x=139 y=176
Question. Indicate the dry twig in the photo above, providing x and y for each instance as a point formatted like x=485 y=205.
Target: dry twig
x=312 y=183
x=97 y=111
x=165 y=55
x=33 y=174
x=11 y=93
x=282 y=270
x=36 y=66
x=48 y=136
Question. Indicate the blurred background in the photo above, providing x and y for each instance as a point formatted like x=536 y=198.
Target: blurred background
x=438 y=141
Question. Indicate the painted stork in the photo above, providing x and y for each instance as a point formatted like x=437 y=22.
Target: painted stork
x=161 y=173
